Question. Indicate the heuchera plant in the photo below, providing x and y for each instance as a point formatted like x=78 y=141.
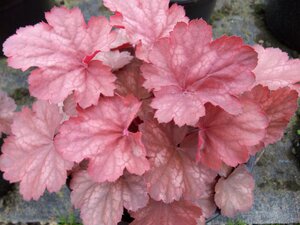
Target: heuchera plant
x=144 y=111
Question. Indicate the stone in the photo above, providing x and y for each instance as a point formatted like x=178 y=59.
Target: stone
x=49 y=208
x=277 y=191
x=245 y=19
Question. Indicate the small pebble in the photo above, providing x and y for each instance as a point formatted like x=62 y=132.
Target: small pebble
x=261 y=42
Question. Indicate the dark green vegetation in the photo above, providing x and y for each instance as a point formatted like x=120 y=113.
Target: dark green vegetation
x=69 y=220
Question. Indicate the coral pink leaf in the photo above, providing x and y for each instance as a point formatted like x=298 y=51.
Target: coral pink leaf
x=88 y=83
x=206 y=202
x=227 y=138
x=101 y=134
x=155 y=213
x=59 y=50
x=235 y=193
x=129 y=153
x=69 y=106
x=189 y=69
x=7 y=108
x=279 y=106
x=102 y=203
x=146 y=21
x=114 y=59
x=278 y=72
x=225 y=170
x=29 y=154
x=121 y=39
x=173 y=174
x=129 y=81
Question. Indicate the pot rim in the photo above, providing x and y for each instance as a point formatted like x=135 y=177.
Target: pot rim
x=185 y=2
x=9 y=4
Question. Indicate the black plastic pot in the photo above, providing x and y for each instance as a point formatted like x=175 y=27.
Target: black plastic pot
x=19 y=13
x=283 y=20
x=197 y=8
x=5 y=186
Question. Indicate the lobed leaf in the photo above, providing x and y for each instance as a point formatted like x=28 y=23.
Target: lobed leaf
x=279 y=106
x=188 y=69
x=101 y=134
x=29 y=154
x=63 y=50
x=235 y=193
x=173 y=174
x=227 y=138
x=102 y=203
x=145 y=21
x=180 y=212
x=279 y=72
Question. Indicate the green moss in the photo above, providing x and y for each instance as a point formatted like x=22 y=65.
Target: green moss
x=68 y=220
x=104 y=11
x=22 y=96
x=67 y=3
x=236 y=222
x=275 y=184
x=220 y=14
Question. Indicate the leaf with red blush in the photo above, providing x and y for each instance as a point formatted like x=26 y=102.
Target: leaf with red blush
x=29 y=155
x=69 y=106
x=63 y=50
x=207 y=202
x=234 y=194
x=102 y=203
x=228 y=138
x=279 y=106
x=130 y=80
x=145 y=21
x=173 y=174
x=181 y=212
x=278 y=72
x=101 y=134
x=188 y=69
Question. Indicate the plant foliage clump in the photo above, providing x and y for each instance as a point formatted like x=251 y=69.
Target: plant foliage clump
x=145 y=111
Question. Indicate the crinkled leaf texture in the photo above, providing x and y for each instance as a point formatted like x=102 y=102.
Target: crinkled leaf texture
x=228 y=138
x=279 y=106
x=235 y=193
x=69 y=106
x=159 y=213
x=29 y=155
x=101 y=134
x=63 y=50
x=206 y=200
x=129 y=81
x=275 y=70
x=102 y=203
x=145 y=21
x=7 y=108
x=173 y=173
x=188 y=69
